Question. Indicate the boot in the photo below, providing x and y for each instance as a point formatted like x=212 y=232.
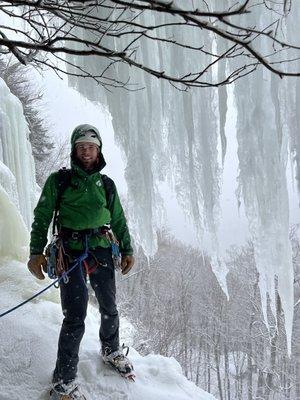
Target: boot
x=120 y=363
x=69 y=391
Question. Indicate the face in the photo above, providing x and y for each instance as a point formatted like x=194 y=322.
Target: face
x=87 y=154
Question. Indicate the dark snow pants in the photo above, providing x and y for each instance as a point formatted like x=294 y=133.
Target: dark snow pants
x=74 y=301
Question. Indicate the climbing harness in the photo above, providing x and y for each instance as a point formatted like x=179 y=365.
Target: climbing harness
x=105 y=230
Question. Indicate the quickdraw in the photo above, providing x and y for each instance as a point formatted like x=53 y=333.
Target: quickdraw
x=115 y=248
x=56 y=260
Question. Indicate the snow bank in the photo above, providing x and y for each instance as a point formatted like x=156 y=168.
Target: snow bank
x=28 y=343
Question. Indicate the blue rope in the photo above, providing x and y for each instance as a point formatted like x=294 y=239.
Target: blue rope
x=62 y=277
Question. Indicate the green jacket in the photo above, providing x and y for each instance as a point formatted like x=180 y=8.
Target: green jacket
x=83 y=206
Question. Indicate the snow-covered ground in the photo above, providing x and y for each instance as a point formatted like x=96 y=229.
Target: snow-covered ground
x=28 y=343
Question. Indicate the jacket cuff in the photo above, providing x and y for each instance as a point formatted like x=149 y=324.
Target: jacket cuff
x=126 y=252
x=36 y=252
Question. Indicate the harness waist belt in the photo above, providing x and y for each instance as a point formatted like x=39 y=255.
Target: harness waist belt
x=67 y=233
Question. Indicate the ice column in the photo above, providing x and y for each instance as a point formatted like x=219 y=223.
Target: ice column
x=262 y=152
x=17 y=178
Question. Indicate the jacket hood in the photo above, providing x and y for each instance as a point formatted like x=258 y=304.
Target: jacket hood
x=76 y=134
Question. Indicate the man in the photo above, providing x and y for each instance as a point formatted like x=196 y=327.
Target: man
x=83 y=219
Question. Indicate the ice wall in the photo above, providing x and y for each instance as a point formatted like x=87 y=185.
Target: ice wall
x=17 y=177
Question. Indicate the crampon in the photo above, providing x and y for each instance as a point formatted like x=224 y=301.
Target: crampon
x=120 y=363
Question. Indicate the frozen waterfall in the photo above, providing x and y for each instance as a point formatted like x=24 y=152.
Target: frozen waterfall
x=179 y=138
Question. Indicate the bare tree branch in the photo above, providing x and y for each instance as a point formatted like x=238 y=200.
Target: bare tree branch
x=117 y=30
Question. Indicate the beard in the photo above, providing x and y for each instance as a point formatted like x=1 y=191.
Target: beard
x=87 y=165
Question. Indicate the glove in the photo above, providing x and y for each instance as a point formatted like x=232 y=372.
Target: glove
x=36 y=263
x=126 y=264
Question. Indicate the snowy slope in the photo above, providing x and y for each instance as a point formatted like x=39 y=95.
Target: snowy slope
x=28 y=342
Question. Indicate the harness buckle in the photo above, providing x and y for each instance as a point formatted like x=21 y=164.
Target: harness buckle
x=75 y=235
